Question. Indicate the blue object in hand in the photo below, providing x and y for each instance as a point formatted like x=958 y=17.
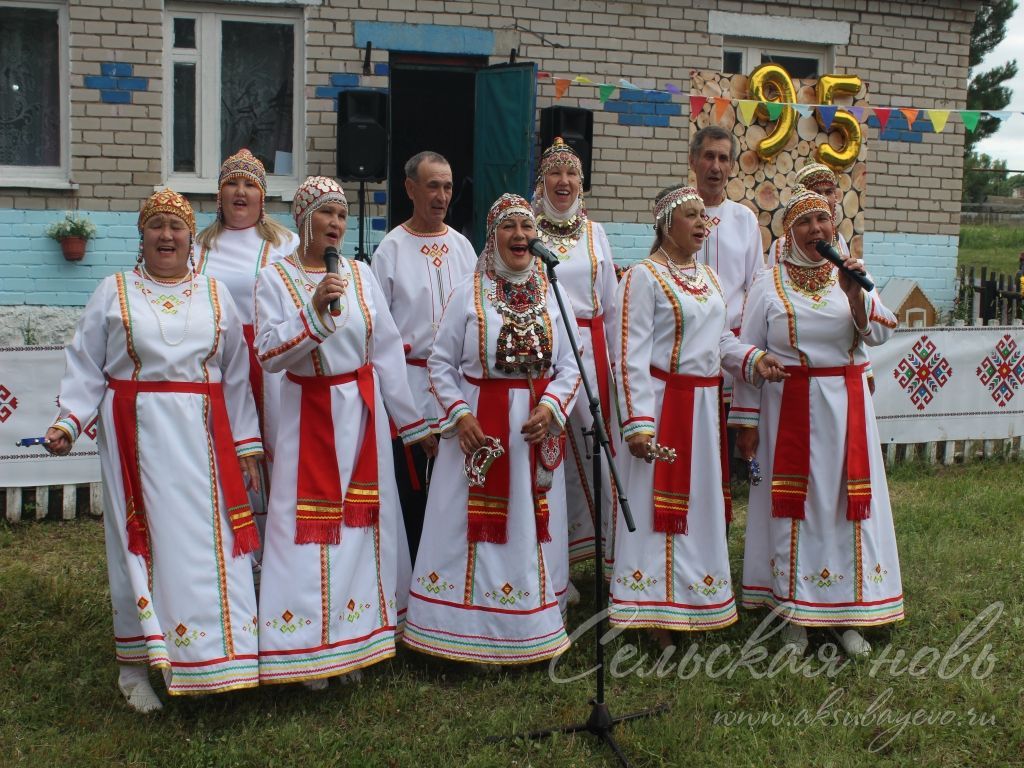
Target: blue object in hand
x=25 y=442
x=755 y=472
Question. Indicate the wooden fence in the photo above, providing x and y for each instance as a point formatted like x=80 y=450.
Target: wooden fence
x=993 y=298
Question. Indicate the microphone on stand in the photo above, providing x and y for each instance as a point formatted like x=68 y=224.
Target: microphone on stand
x=331 y=262
x=828 y=252
x=537 y=248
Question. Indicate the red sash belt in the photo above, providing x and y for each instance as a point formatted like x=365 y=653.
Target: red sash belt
x=792 y=461
x=255 y=371
x=419 y=362
x=230 y=474
x=487 y=507
x=319 y=507
x=675 y=430
x=600 y=347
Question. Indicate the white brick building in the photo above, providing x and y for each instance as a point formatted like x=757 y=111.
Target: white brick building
x=105 y=100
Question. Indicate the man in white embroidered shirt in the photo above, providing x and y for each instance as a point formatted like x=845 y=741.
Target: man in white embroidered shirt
x=417 y=264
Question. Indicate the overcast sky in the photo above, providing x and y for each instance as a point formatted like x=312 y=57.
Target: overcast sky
x=1008 y=142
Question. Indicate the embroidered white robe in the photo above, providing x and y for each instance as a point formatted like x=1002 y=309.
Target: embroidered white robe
x=192 y=611
x=329 y=609
x=488 y=602
x=825 y=569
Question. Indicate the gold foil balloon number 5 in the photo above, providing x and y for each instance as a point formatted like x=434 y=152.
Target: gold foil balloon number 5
x=844 y=123
x=771 y=85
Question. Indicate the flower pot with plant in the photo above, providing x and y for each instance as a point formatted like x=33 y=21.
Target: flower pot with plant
x=72 y=232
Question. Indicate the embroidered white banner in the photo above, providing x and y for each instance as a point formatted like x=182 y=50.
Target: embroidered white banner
x=29 y=383
x=949 y=384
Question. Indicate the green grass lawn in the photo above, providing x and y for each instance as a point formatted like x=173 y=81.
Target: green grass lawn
x=995 y=246
x=960 y=531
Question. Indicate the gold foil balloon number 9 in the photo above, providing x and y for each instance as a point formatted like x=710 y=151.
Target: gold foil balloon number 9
x=771 y=83
x=845 y=123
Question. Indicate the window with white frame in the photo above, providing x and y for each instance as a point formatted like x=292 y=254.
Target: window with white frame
x=741 y=57
x=803 y=46
x=33 y=94
x=234 y=80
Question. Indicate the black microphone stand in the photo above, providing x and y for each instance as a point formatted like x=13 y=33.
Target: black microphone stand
x=601 y=722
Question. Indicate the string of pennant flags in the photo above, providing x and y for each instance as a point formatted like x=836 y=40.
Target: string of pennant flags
x=747 y=107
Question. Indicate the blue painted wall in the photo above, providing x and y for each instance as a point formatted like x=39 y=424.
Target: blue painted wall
x=32 y=270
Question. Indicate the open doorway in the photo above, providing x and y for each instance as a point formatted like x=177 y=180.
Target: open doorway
x=433 y=108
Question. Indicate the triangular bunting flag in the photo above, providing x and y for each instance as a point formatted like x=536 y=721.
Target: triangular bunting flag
x=628 y=85
x=583 y=80
x=938 y=118
x=804 y=109
x=605 y=91
x=561 y=86
x=541 y=74
x=721 y=104
x=672 y=88
x=882 y=113
x=970 y=119
x=911 y=114
x=773 y=108
x=857 y=112
x=1001 y=115
x=747 y=109
x=697 y=104
x=828 y=114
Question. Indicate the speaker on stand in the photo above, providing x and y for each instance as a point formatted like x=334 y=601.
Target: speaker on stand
x=362 y=144
x=576 y=127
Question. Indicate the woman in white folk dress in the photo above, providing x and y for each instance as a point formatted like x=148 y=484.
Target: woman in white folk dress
x=586 y=274
x=234 y=248
x=335 y=560
x=159 y=353
x=820 y=545
x=492 y=568
x=672 y=573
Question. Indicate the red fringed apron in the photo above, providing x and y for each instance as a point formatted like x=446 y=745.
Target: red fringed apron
x=319 y=507
x=488 y=505
x=792 y=461
x=230 y=474
x=675 y=430
x=600 y=348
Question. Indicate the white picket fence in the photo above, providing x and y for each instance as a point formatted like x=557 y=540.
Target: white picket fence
x=34 y=503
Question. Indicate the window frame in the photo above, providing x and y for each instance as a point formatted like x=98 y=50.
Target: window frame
x=207 y=59
x=48 y=176
x=751 y=50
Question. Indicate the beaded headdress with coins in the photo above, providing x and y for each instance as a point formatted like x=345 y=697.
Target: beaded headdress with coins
x=313 y=193
x=243 y=163
x=167 y=201
x=803 y=202
x=507 y=205
x=816 y=174
x=557 y=229
x=664 y=206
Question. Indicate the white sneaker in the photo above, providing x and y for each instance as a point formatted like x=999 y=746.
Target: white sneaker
x=352 y=678
x=854 y=643
x=133 y=682
x=572 y=595
x=795 y=637
x=319 y=684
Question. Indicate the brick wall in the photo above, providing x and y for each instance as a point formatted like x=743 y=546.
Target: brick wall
x=910 y=52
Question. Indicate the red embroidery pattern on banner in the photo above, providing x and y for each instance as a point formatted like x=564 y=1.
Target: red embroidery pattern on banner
x=1002 y=370
x=8 y=403
x=922 y=373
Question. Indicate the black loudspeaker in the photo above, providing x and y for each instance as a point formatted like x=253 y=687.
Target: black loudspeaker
x=576 y=127
x=362 y=135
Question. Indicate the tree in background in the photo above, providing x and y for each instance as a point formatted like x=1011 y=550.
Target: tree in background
x=986 y=90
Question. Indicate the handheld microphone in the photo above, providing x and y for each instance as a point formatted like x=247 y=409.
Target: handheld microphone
x=537 y=248
x=831 y=254
x=331 y=262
